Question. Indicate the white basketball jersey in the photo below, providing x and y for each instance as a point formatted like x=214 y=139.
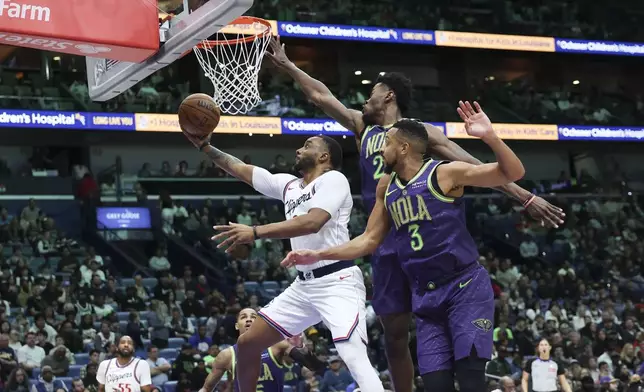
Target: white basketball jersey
x=329 y=192
x=126 y=378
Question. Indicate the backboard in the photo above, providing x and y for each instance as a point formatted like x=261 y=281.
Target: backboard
x=108 y=78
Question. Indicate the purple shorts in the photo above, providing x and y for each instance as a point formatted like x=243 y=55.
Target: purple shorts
x=452 y=318
x=391 y=293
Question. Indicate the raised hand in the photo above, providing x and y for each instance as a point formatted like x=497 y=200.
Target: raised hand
x=296 y=341
x=477 y=123
x=278 y=56
x=300 y=257
x=548 y=214
x=233 y=234
x=197 y=141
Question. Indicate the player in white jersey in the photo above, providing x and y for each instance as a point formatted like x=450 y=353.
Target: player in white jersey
x=125 y=373
x=317 y=208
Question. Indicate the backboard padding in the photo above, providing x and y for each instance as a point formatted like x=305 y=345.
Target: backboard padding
x=109 y=78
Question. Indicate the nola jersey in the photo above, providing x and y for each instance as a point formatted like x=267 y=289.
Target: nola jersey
x=124 y=378
x=432 y=240
x=271 y=374
x=329 y=192
x=372 y=163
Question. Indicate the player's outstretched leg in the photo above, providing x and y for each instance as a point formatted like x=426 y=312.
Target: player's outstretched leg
x=354 y=354
x=250 y=346
x=401 y=367
x=439 y=381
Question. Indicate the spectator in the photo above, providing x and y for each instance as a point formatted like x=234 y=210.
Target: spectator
x=77 y=385
x=529 y=248
x=184 y=364
x=199 y=373
x=17 y=382
x=200 y=341
x=90 y=382
x=336 y=378
x=141 y=291
x=104 y=336
x=135 y=329
x=102 y=309
x=181 y=326
x=45 y=246
x=47 y=381
x=89 y=273
x=159 y=367
x=159 y=323
x=158 y=262
x=94 y=358
x=57 y=361
x=29 y=215
x=499 y=366
x=40 y=325
x=131 y=301
x=8 y=358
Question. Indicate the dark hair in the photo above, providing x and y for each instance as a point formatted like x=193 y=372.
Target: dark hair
x=335 y=151
x=415 y=130
x=92 y=351
x=401 y=86
x=152 y=347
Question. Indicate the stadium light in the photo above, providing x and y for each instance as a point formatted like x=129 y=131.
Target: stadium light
x=575 y=82
x=366 y=81
x=358 y=73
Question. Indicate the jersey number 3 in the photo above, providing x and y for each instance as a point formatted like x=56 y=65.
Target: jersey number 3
x=416 y=240
x=379 y=164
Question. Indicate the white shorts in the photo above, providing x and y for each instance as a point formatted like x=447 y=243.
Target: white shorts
x=337 y=299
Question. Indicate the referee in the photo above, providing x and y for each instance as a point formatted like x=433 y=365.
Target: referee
x=544 y=372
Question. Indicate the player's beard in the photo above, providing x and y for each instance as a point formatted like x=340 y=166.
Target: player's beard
x=125 y=355
x=304 y=163
x=389 y=169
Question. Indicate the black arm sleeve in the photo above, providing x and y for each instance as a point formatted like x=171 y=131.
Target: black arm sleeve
x=307 y=359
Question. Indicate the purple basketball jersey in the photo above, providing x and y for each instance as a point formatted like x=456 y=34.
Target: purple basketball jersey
x=372 y=168
x=431 y=237
x=271 y=374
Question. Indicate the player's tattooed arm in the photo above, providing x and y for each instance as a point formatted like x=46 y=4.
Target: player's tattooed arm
x=316 y=91
x=221 y=365
x=230 y=164
x=443 y=148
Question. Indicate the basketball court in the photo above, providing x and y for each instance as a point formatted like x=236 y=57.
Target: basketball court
x=125 y=41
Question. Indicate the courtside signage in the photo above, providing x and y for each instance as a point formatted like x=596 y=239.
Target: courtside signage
x=354 y=33
x=151 y=122
x=457 y=39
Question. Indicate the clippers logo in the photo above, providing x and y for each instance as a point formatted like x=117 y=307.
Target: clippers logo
x=24 y=11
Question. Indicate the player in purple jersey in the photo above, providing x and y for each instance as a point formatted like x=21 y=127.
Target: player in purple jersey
x=451 y=293
x=271 y=376
x=389 y=100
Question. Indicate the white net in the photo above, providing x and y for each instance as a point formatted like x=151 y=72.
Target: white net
x=232 y=62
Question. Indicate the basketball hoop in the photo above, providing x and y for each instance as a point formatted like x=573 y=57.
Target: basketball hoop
x=232 y=62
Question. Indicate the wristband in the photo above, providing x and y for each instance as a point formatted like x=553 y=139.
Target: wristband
x=255 y=232
x=529 y=201
x=204 y=144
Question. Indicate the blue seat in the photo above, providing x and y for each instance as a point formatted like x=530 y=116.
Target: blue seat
x=127 y=282
x=123 y=316
x=146 y=342
x=123 y=326
x=168 y=353
x=141 y=354
x=150 y=283
x=287 y=388
x=285 y=284
x=251 y=287
x=271 y=285
x=97 y=325
x=272 y=293
x=67 y=381
x=175 y=342
x=170 y=386
x=16 y=311
x=74 y=371
x=35 y=373
x=82 y=359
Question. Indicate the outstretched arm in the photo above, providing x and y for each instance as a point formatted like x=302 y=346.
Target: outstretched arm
x=364 y=244
x=443 y=148
x=316 y=91
x=220 y=366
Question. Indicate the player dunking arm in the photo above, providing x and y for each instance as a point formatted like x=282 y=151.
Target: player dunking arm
x=125 y=373
x=389 y=100
x=452 y=296
x=271 y=377
x=317 y=207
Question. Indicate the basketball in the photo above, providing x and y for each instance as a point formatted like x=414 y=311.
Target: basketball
x=198 y=115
